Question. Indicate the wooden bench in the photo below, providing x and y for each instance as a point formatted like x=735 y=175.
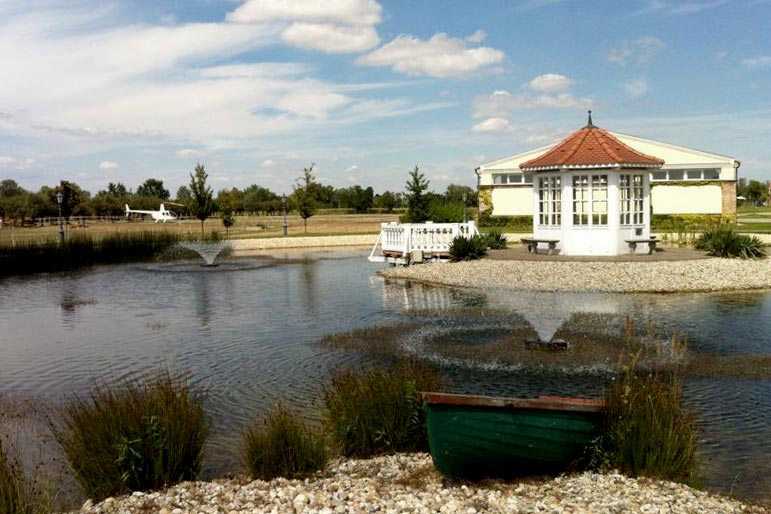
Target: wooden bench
x=651 y=242
x=532 y=244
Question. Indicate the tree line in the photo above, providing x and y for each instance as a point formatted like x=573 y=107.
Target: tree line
x=307 y=197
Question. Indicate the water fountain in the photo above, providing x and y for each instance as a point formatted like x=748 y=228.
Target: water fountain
x=207 y=250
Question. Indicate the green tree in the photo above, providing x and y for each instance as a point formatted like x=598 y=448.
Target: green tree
x=153 y=188
x=228 y=221
x=417 y=200
x=756 y=192
x=303 y=196
x=387 y=201
x=455 y=194
x=201 y=196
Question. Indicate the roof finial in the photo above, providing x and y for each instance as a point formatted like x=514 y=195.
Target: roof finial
x=590 y=124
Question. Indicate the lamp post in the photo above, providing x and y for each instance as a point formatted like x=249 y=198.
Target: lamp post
x=283 y=210
x=464 y=197
x=59 y=199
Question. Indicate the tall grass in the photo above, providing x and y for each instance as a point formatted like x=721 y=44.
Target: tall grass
x=20 y=494
x=376 y=411
x=133 y=436
x=81 y=250
x=284 y=446
x=647 y=431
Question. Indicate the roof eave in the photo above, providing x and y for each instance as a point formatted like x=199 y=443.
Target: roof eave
x=570 y=167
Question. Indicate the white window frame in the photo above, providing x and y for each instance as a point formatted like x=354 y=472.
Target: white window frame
x=503 y=179
x=631 y=199
x=550 y=201
x=590 y=200
x=688 y=174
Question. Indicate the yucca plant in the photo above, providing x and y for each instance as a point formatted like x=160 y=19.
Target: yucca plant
x=284 y=446
x=495 y=239
x=134 y=436
x=723 y=241
x=468 y=248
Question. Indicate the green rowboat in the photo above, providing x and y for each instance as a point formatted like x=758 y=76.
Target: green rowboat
x=475 y=437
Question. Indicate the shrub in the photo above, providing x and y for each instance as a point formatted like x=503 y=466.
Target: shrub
x=377 y=411
x=134 y=436
x=18 y=493
x=495 y=240
x=284 y=447
x=468 y=249
x=723 y=241
x=647 y=432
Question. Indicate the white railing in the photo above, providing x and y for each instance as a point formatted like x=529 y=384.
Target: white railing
x=398 y=241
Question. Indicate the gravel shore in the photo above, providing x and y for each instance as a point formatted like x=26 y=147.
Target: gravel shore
x=701 y=275
x=409 y=483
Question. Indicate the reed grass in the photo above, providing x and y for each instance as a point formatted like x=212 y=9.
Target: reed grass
x=133 y=436
x=20 y=494
x=647 y=431
x=82 y=250
x=378 y=411
x=284 y=446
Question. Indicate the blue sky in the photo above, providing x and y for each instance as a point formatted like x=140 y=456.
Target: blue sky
x=99 y=91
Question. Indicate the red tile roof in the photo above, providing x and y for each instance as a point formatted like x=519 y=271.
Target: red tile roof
x=591 y=147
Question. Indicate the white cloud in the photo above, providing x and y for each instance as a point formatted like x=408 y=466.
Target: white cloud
x=665 y=7
x=108 y=165
x=762 y=61
x=330 y=38
x=641 y=51
x=636 y=88
x=550 y=82
x=502 y=102
x=350 y=12
x=477 y=37
x=441 y=56
x=332 y=26
x=188 y=153
x=269 y=163
x=494 y=125
x=8 y=162
x=352 y=169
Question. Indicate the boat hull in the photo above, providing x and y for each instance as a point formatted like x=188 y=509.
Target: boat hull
x=475 y=437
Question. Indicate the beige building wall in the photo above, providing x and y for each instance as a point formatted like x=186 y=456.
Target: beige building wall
x=672 y=199
x=513 y=200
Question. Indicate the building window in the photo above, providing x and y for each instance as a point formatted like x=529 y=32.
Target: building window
x=599 y=199
x=581 y=200
x=512 y=178
x=590 y=200
x=694 y=174
x=631 y=196
x=549 y=201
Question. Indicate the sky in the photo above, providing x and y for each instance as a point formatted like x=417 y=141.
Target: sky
x=100 y=91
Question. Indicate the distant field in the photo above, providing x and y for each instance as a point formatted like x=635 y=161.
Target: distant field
x=245 y=227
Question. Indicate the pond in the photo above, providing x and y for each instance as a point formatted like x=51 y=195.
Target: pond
x=247 y=332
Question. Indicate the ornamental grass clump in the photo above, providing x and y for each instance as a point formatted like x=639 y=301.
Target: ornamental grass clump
x=20 y=494
x=723 y=241
x=379 y=411
x=134 y=436
x=284 y=446
x=468 y=248
x=647 y=432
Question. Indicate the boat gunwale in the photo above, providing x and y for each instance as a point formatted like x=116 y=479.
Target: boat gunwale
x=552 y=403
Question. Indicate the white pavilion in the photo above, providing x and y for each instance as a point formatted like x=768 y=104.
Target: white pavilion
x=591 y=194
